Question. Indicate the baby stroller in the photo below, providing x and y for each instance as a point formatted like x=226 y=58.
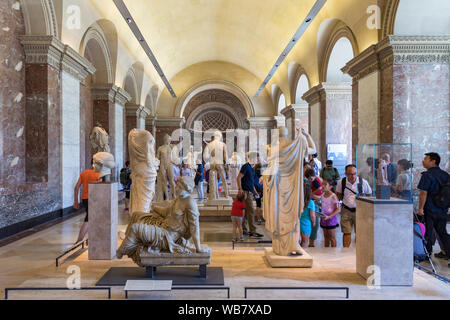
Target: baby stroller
x=420 y=250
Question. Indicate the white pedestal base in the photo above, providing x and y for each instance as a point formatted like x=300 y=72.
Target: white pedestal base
x=275 y=261
x=220 y=202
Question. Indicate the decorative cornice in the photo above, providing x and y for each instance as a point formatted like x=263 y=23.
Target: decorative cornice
x=262 y=122
x=170 y=122
x=314 y=95
x=328 y=90
x=110 y=92
x=295 y=110
x=136 y=110
x=49 y=50
x=399 y=50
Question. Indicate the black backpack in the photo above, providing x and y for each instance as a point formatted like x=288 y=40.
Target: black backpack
x=344 y=186
x=442 y=198
x=125 y=176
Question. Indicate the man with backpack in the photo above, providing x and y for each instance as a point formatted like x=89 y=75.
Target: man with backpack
x=125 y=180
x=434 y=201
x=347 y=189
x=330 y=173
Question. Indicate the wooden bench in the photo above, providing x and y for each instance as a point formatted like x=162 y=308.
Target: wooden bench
x=153 y=260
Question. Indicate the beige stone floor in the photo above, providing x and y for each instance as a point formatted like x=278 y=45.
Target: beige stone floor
x=30 y=262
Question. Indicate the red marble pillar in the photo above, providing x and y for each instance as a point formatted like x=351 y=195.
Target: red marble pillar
x=86 y=123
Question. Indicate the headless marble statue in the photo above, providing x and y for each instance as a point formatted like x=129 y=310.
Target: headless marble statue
x=103 y=163
x=143 y=165
x=216 y=155
x=99 y=140
x=165 y=173
x=173 y=229
x=236 y=162
x=283 y=191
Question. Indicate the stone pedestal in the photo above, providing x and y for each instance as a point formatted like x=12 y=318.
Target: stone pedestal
x=384 y=231
x=103 y=220
x=275 y=261
x=220 y=202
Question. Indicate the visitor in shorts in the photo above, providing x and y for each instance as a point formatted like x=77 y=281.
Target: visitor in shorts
x=237 y=215
x=330 y=209
x=308 y=216
x=353 y=186
x=86 y=177
x=258 y=197
x=198 y=180
x=246 y=185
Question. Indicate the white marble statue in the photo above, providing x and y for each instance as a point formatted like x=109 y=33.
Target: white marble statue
x=283 y=191
x=165 y=173
x=173 y=229
x=143 y=165
x=191 y=160
x=216 y=155
x=103 y=163
x=236 y=161
x=99 y=140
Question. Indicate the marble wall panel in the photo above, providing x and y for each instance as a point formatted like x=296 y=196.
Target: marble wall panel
x=86 y=123
x=119 y=143
x=421 y=111
x=104 y=113
x=368 y=111
x=338 y=125
x=70 y=140
x=12 y=96
x=315 y=127
x=355 y=117
x=386 y=105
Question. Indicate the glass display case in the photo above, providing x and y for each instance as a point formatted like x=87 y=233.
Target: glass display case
x=387 y=169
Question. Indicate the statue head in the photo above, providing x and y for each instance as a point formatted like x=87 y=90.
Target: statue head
x=167 y=139
x=217 y=136
x=103 y=163
x=141 y=145
x=99 y=140
x=185 y=186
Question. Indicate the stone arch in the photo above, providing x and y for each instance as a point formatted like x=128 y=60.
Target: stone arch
x=330 y=32
x=214 y=84
x=217 y=100
x=40 y=17
x=130 y=85
x=417 y=17
x=216 y=108
x=100 y=47
x=279 y=99
x=390 y=11
x=299 y=81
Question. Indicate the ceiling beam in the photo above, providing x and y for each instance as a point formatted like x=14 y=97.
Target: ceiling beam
x=135 y=29
x=294 y=40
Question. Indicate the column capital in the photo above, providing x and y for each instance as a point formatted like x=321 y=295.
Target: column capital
x=295 y=110
x=110 y=92
x=262 y=122
x=399 y=50
x=170 y=122
x=50 y=50
x=328 y=90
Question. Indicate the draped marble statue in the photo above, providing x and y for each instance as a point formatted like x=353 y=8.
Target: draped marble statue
x=99 y=140
x=173 y=229
x=165 y=173
x=143 y=165
x=191 y=160
x=215 y=155
x=236 y=161
x=103 y=163
x=283 y=191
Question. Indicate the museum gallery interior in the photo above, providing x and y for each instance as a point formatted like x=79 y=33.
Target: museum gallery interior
x=214 y=149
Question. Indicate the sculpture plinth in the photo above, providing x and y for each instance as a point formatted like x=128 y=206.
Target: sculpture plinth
x=103 y=221
x=228 y=201
x=295 y=261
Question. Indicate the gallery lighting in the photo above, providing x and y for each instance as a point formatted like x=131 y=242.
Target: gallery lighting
x=298 y=34
x=137 y=33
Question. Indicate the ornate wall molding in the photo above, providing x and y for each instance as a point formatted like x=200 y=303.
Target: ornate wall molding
x=110 y=92
x=170 y=122
x=199 y=111
x=296 y=110
x=49 y=50
x=262 y=122
x=399 y=50
x=389 y=15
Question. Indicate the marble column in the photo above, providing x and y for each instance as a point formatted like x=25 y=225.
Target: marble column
x=54 y=72
x=150 y=125
x=403 y=83
x=330 y=116
x=296 y=117
x=262 y=127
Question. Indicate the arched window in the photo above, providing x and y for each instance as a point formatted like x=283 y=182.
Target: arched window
x=341 y=54
x=302 y=87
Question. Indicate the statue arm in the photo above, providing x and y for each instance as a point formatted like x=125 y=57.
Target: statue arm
x=311 y=145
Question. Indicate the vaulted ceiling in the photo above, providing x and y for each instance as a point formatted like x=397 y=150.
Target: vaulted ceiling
x=249 y=33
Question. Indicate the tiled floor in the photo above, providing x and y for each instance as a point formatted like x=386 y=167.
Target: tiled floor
x=30 y=262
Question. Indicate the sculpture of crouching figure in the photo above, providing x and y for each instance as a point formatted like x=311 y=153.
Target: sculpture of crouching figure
x=172 y=229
